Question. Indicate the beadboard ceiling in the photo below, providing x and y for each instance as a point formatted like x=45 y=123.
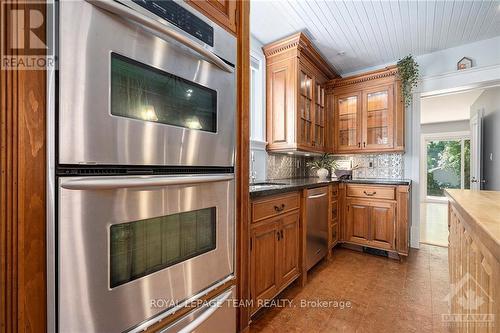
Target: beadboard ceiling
x=372 y=33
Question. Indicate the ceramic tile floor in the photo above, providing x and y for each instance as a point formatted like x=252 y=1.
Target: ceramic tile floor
x=386 y=295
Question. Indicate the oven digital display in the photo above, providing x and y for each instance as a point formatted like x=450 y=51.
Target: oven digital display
x=139 y=91
x=143 y=247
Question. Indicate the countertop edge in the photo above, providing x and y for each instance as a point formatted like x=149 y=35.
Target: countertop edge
x=489 y=240
x=291 y=187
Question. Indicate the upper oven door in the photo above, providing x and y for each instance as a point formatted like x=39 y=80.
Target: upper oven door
x=136 y=91
x=130 y=248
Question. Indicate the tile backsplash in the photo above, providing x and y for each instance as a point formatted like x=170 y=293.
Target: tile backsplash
x=281 y=166
x=388 y=166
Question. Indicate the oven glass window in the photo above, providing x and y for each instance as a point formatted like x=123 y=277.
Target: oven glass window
x=143 y=247
x=142 y=92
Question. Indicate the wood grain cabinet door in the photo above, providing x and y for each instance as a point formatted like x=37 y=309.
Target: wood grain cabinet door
x=378 y=118
x=280 y=121
x=264 y=276
x=358 y=221
x=347 y=122
x=288 y=248
x=382 y=224
x=221 y=11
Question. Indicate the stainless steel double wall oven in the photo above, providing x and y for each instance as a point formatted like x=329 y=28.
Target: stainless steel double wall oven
x=144 y=165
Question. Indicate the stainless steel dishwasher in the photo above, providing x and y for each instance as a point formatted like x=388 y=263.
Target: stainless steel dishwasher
x=316 y=225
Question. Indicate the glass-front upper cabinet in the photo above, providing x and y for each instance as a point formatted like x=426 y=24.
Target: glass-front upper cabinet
x=319 y=116
x=378 y=118
x=348 y=131
x=306 y=109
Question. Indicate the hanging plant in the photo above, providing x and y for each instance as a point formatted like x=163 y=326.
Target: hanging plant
x=408 y=74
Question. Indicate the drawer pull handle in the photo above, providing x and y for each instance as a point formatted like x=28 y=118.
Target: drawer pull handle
x=370 y=194
x=279 y=208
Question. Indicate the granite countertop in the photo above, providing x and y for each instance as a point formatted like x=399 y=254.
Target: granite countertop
x=481 y=210
x=292 y=184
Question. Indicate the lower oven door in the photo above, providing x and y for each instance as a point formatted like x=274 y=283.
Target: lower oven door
x=126 y=242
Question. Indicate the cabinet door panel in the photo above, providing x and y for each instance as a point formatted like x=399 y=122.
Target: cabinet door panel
x=288 y=248
x=280 y=104
x=382 y=224
x=358 y=220
x=221 y=11
x=378 y=118
x=264 y=251
x=347 y=122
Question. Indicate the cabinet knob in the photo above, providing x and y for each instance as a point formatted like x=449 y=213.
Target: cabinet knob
x=359 y=144
x=370 y=194
x=279 y=208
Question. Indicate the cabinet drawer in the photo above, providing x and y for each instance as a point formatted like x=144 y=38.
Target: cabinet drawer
x=375 y=192
x=275 y=205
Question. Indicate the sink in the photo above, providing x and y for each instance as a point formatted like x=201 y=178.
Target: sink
x=266 y=183
x=258 y=186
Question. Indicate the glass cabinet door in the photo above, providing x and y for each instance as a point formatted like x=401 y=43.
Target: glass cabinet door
x=306 y=109
x=319 y=117
x=347 y=122
x=378 y=118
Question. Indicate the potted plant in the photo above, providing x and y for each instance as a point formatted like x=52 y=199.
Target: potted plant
x=322 y=165
x=408 y=74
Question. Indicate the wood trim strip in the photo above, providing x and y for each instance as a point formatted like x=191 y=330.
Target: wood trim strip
x=22 y=218
x=242 y=164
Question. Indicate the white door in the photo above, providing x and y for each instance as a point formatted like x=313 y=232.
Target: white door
x=476 y=121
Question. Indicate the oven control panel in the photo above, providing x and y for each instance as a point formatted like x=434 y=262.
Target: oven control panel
x=181 y=18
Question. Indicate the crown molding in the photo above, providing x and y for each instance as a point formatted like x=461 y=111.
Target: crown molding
x=360 y=78
x=303 y=46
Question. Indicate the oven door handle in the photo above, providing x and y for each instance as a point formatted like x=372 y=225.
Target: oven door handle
x=117 y=182
x=212 y=306
x=126 y=12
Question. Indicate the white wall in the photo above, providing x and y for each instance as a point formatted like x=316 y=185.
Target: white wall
x=258 y=117
x=445 y=127
x=446 y=108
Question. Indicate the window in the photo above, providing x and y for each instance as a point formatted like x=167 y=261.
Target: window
x=256 y=107
x=145 y=93
x=447 y=164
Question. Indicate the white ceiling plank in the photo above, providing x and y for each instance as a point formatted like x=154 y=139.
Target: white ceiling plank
x=375 y=32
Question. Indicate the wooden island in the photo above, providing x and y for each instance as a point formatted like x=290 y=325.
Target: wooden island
x=474 y=260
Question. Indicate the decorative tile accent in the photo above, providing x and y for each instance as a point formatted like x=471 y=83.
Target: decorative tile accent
x=389 y=166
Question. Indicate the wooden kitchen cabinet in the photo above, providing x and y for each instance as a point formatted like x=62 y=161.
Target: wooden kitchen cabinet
x=358 y=221
x=376 y=216
x=264 y=282
x=296 y=101
x=274 y=246
x=223 y=12
x=367 y=113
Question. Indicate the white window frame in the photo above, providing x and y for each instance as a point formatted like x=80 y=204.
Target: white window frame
x=462 y=135
x=257 y=107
